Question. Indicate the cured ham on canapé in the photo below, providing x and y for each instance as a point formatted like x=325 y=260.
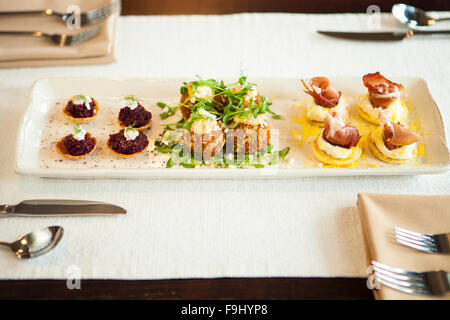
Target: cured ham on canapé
x=396 y=135
x=322 y=91
x=339 y=134
x=382 y=92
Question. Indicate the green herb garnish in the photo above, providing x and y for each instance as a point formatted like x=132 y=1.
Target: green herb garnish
x=170 y=110
x=77 y=130
x=229 y=104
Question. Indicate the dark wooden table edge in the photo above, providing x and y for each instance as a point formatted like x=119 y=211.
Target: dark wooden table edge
x=190 y=289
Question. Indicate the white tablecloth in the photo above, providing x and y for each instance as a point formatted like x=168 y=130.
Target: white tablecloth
x=178 y=229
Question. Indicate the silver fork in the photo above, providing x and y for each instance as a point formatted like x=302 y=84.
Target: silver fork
x=86 y=18
x=60 y=39
x=434 y=283
x=431 y=243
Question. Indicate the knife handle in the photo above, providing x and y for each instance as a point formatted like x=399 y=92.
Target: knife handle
x=434 y=32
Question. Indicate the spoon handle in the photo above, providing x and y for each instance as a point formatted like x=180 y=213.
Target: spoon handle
x=5 y=244
x=442 y=19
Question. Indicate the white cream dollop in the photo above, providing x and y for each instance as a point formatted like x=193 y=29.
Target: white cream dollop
x=207 y=114
x=130 y=133
x=202 y=92
x=250 y=95
x=334 y=151
x=318 y=113
x=130 y=102
x=397 y=109
x=402 y=153
x=203 y=126
x=82 y=99
x=79 y=133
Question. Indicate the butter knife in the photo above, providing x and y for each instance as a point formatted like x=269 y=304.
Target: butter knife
x=42 y=208
x=390 y=35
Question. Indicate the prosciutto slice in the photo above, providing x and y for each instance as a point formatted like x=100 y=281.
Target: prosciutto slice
x=396 y=135
x=323 y=92
x=339 y=134
x=382 y=92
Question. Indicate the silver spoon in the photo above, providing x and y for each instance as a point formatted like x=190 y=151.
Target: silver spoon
x=412 y=16
x=36 y=243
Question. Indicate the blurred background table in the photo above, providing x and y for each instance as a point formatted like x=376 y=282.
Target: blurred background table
x=147 y=7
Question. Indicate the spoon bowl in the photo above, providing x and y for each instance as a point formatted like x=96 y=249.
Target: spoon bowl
x=412 y=16
x=36 y=243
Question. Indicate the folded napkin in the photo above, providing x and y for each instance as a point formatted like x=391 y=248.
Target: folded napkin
x=426 y=214
x=20 y=51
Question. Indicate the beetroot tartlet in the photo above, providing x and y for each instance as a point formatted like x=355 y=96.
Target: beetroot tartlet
x=81 y=109
x=127 y=142
x=76 y=146
x=134 y=114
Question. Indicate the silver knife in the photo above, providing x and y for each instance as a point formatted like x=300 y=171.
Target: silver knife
x=42 y=208
x=393 y=35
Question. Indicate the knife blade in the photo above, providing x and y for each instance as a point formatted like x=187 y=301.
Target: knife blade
x=50 y=207
x=381 y=36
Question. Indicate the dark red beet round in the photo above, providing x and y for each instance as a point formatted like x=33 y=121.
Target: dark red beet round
x=138 y=117
x=120 y=144
x=78 y=148
x=80 y=110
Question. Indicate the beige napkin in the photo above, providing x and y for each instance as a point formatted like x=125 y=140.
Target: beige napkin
x=427 y=214
x=20 y=51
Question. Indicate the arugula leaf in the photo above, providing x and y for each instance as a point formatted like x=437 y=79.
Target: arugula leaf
x=170 y=110
x=162 y=147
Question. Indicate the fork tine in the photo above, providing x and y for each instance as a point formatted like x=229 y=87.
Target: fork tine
x=96 y=15
x=93 y=20
x=98 y=12
x=396 y=276
x=426 y=244
x=407 y=237
x=420 y=247
x=66 y=40
x=403 y=283
x=395 y=286
x=83 y=36
x=413 y=234
x=397 y=270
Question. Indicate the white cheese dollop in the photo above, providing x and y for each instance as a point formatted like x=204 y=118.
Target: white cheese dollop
x=130 y=102
x=203 y=126
x=130 y=133
x=81 y=99
x=397 y=109
x=207 y=114
x=250 y=95
x=334 y=151
x=318 y=113
x=203 y=92
x=402 y=153
x=79 y=133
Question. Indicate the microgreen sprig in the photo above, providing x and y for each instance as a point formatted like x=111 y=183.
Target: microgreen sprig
x=170 y=110
x=259 y=159
x=77 y=131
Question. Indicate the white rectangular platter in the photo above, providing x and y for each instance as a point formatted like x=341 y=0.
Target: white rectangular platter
x=43 y=125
